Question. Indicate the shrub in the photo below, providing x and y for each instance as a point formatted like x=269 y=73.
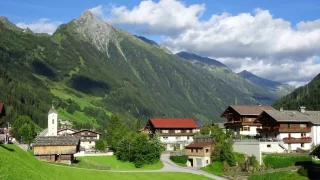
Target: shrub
x=303 y=172
x=179 y=159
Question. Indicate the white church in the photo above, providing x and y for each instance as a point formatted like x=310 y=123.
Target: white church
x=52 y=123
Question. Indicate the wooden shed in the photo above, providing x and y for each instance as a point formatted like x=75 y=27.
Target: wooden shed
x=56 y=148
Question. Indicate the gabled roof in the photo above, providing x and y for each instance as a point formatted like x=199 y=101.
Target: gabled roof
x=314 y=115
x=199 y=145
x=174 y=123
x=56 y=141
x=87 y=130
x=248 y=109
x=288 y=116
x=63 y=129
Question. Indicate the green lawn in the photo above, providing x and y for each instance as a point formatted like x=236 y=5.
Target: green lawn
x=276 y=161
x=288 y=175
x=214 y=168
x=17 y=164
x=113 y=162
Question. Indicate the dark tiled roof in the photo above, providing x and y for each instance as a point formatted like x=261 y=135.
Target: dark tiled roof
x=249 y=109
x=56 y=141
x=314 y=115
x=174 y=123
x=199 y=145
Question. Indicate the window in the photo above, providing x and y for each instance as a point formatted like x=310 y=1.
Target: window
x=187 y=131
x=165 y=131
x=303 y=125
x=196 y=150
x=207 y=150
x=165 y=138
x=89 y=142
x=88 y=133
x=246 y=128
x=289 y=135
x=249 y=119
x=207 y=161
x=52 y=121
x=268 y=145
x=82 y=133
x=177 y=131
x=188 y=137
x=303 y=135
x=302 y=145
x=192 y=150
x=289 y=125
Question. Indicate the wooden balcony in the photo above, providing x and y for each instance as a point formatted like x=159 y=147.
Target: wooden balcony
x=268 y=130
x=297 y=140
x=295 y=130
x=241 y=123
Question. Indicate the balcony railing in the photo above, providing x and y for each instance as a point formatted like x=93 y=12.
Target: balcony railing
x=295 y=130
x=242 y=123
x=176 y=141
x=297 y=140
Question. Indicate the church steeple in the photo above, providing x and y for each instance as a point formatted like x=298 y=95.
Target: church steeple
x=52 y=121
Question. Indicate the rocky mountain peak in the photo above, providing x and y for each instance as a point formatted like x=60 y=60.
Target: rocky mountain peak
x=4 y=19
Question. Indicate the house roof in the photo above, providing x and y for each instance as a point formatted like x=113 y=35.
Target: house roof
x=199 y=145
x=87 y=130
x=174 y=123
x=248 y=109
x=314 y=115
x=52 y=110
x=288 y=116
x=56 y=141
x=63 y=129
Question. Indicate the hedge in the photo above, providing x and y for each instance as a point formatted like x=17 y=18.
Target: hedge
x=179 y=159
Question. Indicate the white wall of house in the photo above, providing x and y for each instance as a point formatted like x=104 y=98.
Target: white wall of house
x=251 y=132
x=271 y=147
x=248 y=148
x=198 y=161
x=65 y=132
x=315 y=134
x=88 y=144
x=172 y=140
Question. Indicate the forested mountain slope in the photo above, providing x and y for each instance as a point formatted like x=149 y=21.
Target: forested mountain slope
x=276 y=88
x=91 y=69
x=222 y=72
x=307 y=95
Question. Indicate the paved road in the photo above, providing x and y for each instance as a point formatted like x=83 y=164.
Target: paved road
x=168 y=166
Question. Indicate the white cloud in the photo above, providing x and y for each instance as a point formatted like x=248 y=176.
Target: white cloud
x=269 y=47
x=97 y=11
x=43 y=25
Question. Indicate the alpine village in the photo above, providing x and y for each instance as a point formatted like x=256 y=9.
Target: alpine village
x=92 y=101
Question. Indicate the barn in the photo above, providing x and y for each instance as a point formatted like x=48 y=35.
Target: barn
x=56 y=148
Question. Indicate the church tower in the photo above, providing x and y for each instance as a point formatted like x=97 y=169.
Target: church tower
x=52 y=122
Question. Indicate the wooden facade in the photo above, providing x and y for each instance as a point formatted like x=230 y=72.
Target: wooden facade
x=87 y=135
x=200 y=151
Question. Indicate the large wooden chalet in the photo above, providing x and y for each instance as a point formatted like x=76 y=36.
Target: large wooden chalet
x=243 y=118
x=175 y=133
x=56 y=148
x=293 y=128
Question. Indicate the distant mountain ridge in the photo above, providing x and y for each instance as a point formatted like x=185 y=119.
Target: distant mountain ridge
x=191 y=56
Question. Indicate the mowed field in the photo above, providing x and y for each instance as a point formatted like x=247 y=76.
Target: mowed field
x=18 y=164
x=85 y=162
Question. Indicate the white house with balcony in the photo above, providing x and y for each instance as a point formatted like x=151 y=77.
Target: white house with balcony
x=175 y=133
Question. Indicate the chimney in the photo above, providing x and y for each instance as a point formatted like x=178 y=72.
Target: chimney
x=281 y=109
x=302 y=109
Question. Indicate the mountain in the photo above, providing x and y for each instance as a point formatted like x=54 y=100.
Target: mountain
x=307 y=95
x=90 y=70
x=277 y=88
x=222 y=72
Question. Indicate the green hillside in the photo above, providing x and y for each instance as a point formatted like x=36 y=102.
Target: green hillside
x=17 y=164
x=91 y=69
x=307 y=95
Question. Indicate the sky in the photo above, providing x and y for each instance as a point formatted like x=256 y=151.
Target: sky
x=277 y=40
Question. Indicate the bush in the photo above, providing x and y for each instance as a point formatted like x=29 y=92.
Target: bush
x=179 y=159
x=283 y=161
x=303 y=172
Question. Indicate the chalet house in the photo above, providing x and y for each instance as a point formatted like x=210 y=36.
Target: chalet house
x=243 y=118
x=293 y=128
x=199 y=154
x=65 y=131
x=56 y=148
x=88 y=138
x=175 y=133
